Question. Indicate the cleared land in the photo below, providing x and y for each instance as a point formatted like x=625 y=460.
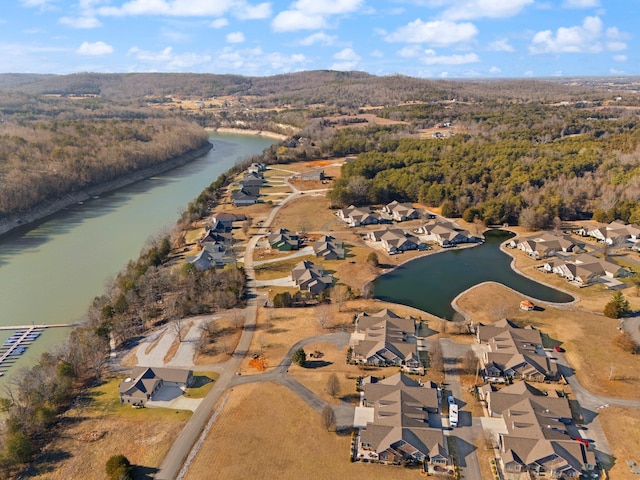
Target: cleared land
x=622 y=428
x=265 y=431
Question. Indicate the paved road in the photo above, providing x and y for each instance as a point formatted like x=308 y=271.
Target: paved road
x=180 y=449
x=468 y=429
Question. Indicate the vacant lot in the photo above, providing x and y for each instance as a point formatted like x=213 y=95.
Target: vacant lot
x=99 y=427
x=265 y=431
x=622 y=428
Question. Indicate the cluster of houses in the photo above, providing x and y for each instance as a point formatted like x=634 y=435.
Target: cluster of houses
x=250 y=183
x=396 y=240
x=385 y=339
x=399 y=422
x=445 y=234
x=538 y=434
x=310 y=277
x=617 y=233
x=393 y=212
x=585 y=269
x=514 y=353
x=581 y=269
x=284 y=240
x=216 y=242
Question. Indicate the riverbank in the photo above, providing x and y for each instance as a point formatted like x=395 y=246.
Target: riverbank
x=242 y=131
x=44 y=210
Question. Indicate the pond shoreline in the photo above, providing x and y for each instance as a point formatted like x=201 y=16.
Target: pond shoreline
x=44 y=210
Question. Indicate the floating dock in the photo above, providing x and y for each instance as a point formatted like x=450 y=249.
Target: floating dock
x=17 y=343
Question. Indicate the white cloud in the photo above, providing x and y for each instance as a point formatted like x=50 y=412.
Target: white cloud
x=347 y=59
x=438 y=33
x=501 y=45
x=327 y=7
x=235 y=37
x=95 y=49
x=584 y=38
x=219 y=23
x=410 y=51
x=312 y=14
x=485 y=8
x=614 y=71
x=580 y=3
x=377 y=54
x=430 y=58
x=254 y=12
x=620 y=58
x=495 y=69
x=189 y=8
x=167 y=60
x=292 y=20
x=80 y=22
x=42 y=4
x=319 y=38
x=528 y=73
x=255 y=61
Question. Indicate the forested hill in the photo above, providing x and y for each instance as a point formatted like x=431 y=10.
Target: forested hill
x=349 y=89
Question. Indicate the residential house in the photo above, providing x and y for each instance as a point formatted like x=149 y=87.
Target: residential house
x=256 y=168
x=445 y=234
x=385 y=339
x=537 y=438
x=310 y=277
x=145 y=382
x=616 y=233
x=328 y=248
x=401 y=212
x=202 y=261
x=223 y=221
x=546 y=245
x=357 y=216
x=396 y=240
x=586 y=269
x=245 y=196
x=399 y=427
x=284 y=240
x=514 y=353
x=315 y=174
x=211 y=236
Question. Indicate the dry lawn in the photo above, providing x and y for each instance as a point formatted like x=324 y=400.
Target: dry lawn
x=622 y=423
x=311 y=212
x=587 y=337
x=265 y=431
x=225 y=340
x=99 y=427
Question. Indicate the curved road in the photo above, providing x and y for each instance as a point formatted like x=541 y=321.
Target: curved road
x=180 y=449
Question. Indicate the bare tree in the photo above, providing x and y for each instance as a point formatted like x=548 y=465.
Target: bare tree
x=340 y=294
x=469 y=362
x=323 y=314
x=333 y=385
x=328 y=418
x=436 y=357
x=178 y=328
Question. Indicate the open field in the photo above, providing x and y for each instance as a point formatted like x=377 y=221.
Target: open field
x=98 y=427
x=228 y=331
x=622 y=428
x=587 y=337
x=265 y=431
x=307 y=212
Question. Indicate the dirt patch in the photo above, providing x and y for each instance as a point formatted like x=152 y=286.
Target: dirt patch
x=224 y=339
x=269 y=432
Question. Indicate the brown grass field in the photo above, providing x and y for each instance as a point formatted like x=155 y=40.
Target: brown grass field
x=622 y=428
x=265 y=431
x=98 y=427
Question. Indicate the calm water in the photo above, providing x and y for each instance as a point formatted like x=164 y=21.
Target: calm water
x=50 y=272
x=430 y=283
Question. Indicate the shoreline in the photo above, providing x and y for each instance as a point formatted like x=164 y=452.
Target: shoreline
x=249 y=131
x=44 y=210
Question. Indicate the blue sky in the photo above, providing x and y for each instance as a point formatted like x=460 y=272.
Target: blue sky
x=422 y=38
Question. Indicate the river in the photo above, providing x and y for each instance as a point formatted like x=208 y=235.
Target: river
x=50 y=271
x=432 y=282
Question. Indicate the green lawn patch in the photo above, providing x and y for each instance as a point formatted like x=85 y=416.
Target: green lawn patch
x=202 y=384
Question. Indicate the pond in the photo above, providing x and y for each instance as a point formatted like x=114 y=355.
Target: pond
x=432 y=282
